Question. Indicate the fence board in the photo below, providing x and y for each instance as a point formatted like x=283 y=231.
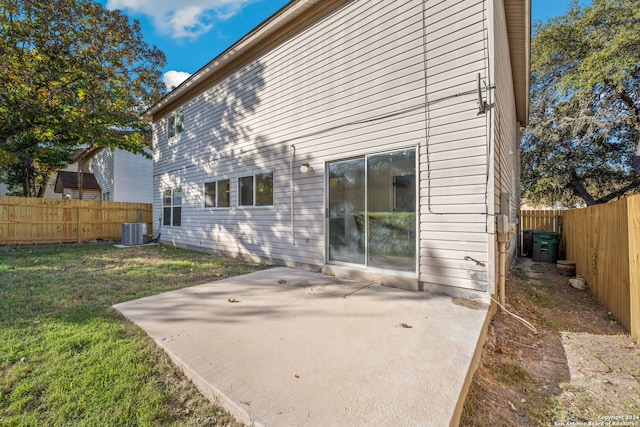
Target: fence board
x=34 y=220
x=633 y=211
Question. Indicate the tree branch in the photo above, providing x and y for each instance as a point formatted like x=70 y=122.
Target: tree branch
x=619 y=193
x=628 y=101
x=578 y=189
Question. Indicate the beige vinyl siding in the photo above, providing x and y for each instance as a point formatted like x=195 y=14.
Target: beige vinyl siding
x=132 y=177
x=335 y=90
x=86 y=195
x=453 y=185
x=102 y=168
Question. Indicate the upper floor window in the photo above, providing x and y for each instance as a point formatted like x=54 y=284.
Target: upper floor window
x=217 y=194
x=172 y=207
x=176 y=123
x=256 y=190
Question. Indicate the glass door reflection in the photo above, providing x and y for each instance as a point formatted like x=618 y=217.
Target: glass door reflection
x=347 y=211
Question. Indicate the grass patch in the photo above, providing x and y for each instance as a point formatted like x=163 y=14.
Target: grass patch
x=540 y=267
x=545 y=284
x=469 y=409
x=66 y=358
x=510 y=374
x=633 y=407
x=539 y=408
x=565 y=386
x=553 y=324
x=521 y=275
x=538 y=298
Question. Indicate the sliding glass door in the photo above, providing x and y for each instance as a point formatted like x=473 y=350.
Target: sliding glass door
x=372 y=211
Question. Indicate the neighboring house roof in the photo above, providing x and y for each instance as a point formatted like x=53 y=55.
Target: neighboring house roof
x=69 y=180
x=297 y=14
x=86 y=153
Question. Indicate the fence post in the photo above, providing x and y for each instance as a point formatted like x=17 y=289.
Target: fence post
x=78 y=224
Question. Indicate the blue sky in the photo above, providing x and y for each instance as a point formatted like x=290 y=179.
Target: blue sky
x=193 y=32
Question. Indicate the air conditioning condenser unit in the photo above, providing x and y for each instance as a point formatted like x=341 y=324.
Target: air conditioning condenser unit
x=133 y=233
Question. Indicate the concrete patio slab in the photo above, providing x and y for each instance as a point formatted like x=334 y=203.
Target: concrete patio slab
x=284 y=347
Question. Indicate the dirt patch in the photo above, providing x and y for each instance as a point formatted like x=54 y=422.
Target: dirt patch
x=582 y=366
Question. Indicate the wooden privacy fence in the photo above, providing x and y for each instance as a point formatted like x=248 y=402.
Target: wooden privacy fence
x=604 y=242
x=35 y=220
x=547 y=220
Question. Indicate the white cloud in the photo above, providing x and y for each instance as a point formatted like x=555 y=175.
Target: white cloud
x=182 y=19
x=172 y=78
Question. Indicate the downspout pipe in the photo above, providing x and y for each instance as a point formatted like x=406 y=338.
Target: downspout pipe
x=292 y=158
x=504 y=229
x=502 y=272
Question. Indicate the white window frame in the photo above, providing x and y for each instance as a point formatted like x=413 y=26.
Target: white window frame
x=172 y=205
x=254 y=194
x=216 y=202
x=175 y=124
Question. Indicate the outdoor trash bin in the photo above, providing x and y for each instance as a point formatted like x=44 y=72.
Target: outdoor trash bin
x=527 y=247
x=545 y=246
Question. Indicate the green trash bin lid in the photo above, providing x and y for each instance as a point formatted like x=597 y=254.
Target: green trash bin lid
x=548 y=236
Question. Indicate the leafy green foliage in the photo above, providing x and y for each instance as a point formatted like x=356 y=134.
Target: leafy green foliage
x=73 y=74
x=585 y=106
x=32 y=168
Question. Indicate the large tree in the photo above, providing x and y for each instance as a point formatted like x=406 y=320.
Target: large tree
x=72 y=74
x=585 y=106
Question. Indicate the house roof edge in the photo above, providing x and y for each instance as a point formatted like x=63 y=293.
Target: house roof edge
x=292 y=17
x=518 y=14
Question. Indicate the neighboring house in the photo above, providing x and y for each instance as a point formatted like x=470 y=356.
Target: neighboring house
x=50 y=192
x=77 y=185
x=122 y=176
x=373 y=139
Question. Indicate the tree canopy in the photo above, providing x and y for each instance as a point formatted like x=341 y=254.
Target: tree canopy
x=72 y=74
x=585 y=106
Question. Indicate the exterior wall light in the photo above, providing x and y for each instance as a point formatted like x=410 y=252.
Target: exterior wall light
x=306 y=168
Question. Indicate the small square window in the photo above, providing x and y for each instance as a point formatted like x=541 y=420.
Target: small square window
x=216 y=194
x=177 y=196
x=256 y=190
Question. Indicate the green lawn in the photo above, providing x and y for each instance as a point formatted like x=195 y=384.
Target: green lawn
x=67 y=358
